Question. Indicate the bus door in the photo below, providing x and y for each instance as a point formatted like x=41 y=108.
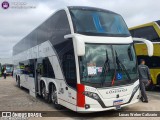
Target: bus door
x=40 y=71
x=24 y=73
x=31 y=77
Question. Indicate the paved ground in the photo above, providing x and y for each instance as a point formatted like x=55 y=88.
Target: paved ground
x=13 y=98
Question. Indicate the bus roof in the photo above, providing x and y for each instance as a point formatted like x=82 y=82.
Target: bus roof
x=90 y=8
x=142 y=25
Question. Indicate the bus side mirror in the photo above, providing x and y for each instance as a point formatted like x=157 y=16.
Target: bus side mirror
x=148 y=43
x=79 y=44
x=80 y=47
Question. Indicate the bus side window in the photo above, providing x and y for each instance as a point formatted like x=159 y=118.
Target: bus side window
x=32 y=68
x=44 y=68
x=69 y=67
x=39 y=68
x=147 y=33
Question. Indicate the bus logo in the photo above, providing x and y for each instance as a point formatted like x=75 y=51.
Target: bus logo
x=114 y=91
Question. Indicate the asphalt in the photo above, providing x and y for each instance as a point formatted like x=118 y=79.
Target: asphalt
x=13 y=98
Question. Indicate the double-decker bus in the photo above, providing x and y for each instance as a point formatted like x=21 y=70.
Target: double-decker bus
x=150 y=31
x=9 y=68
x=81 y=58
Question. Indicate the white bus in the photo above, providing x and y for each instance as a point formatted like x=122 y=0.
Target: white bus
x=82 y=58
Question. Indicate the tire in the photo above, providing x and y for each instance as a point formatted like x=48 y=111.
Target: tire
x=18 y=82
x=43 y=92
x=54 y=99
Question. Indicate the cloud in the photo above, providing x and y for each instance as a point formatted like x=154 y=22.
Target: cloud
x=17 y=23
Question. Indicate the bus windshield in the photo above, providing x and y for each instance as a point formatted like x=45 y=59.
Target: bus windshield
x=98 y=22
x=108 y=65
x=9 y=68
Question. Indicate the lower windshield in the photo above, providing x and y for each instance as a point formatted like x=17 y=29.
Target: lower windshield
x=108 y=65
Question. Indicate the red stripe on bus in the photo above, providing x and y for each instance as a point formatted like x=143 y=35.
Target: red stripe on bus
x=80 y=95
x=113 y=80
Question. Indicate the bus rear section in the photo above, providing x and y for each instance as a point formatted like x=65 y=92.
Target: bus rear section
x=150 y=31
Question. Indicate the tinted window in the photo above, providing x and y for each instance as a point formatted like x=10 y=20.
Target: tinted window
x=28 y=67
x=59 y=26
x=68 y=64
x=44 y=68
x=24 y=64
x=103 y=63
x=151 y=62
x=146 y=32
x=98 y=22
x=52 y=29
x=32 y=68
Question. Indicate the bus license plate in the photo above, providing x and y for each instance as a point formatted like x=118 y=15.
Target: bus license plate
x=117 y=102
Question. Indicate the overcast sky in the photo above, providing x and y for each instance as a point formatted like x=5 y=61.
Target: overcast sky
x=17 y=23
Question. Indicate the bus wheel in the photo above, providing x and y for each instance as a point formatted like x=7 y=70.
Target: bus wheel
x=43 y=92
x=18 y=82
x=54 y=98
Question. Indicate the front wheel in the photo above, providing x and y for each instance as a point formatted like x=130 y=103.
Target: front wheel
x=54 y=98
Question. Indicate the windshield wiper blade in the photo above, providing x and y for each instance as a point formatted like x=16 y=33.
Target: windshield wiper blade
x=106 y=64
x=122 y=66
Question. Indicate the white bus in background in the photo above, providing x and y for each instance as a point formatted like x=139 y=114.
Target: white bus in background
x=81 y=58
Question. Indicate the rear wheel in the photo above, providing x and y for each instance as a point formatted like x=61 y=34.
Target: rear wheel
x=54 y=98
x=18 y=82
x=43 y=92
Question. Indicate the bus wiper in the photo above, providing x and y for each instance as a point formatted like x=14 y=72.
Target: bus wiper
x=130 y=53
x=104 y=72
x=120 y=65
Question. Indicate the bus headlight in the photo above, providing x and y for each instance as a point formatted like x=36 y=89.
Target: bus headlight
x=91 y=95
